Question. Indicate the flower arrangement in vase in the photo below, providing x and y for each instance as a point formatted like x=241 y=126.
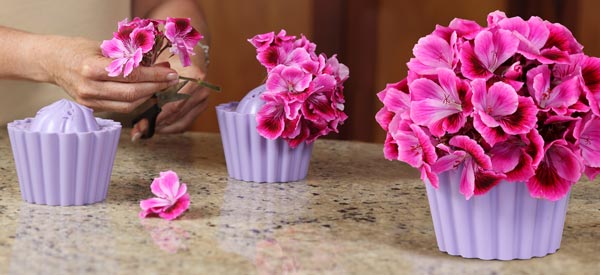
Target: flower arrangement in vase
x=500 y=120
x=268 y=136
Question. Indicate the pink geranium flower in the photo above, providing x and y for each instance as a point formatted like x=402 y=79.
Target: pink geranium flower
x=516 y=101
x=558 y=98
x=396 y=102
x=559 y=169
x=171 y=199
x=477 y=176
x=501 y=106
x=489 y=50
x=183 y=38
x=433 y=53
x=416 y=149
x=127 y=49
x=518 y=157
x=304 y=91
x=262 y=41
x=288 y=79
x=442 y=107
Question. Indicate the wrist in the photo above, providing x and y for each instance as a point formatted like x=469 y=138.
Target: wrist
x=32 y=55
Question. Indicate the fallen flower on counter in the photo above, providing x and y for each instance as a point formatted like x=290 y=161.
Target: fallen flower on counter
x=171 y=199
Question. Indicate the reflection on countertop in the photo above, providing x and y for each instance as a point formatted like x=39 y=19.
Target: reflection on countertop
x=356 y=213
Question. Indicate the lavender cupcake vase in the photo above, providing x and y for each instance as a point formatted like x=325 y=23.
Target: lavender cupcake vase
x=64 y=155
x=506 y=223
x=251 y=157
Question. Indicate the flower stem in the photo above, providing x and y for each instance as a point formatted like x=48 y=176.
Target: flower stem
x=202 y=83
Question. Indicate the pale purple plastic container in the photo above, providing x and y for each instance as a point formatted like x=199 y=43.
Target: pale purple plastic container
x=504 y=224
x=251 y=157
x=64 y=156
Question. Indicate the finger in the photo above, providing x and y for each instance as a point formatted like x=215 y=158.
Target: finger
x=96 y=70
x=100 y=105
x=124 y=92
x=139 y=129
x=163 y=64
x=184 y=123
x=171 y=113
x=175 y=110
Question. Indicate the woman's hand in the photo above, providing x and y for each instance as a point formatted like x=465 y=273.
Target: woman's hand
x=79 y=67
x=177 y=117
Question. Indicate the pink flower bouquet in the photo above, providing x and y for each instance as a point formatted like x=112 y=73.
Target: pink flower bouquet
x=515 y=101
x=301 y=100
x=142 y=41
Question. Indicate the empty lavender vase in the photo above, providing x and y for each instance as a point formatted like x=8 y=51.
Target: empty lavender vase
x=251 y=157
x=64 y=155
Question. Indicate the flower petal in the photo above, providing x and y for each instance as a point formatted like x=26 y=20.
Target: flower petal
x=471 y=67
x=491 y=135
x=154 y=203
x=270 y=119
x=522 y=120
x=424 y=88
x=486 y=180
x=493 y=49
x=390 y=148
x=433 y=52
x=467 y=179
x=176 y=209
x=472 y=148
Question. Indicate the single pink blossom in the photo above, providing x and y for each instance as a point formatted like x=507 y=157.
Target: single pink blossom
x=303 y=42
x=396 y=102
x=501 y=106
x=288 y=79
x=488 y=52
x=558 y=171
x=171 y=199
x=477 y=176
x=278 y=111
x=432 y=53
x=533 y=35
x=318 y=104
x=282 y=38
x=441 y=107
x=335 y=68
x=127 y=49
x=557 y=98
x=183 y=38
x=512 y=157
x=561 y=38
x=416 y=149
x=262 y=41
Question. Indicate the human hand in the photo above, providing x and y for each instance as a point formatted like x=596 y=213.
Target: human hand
x=177 y=117
x=79 y=67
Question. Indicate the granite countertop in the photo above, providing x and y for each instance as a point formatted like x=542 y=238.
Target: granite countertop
x=356 y=213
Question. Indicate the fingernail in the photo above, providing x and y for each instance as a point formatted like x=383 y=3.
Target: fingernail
x=172 y=76
x=136 y=137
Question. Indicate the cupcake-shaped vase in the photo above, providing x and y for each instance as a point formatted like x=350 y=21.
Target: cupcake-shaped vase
x=268 y=136
x=251 y=157
x=64 y=155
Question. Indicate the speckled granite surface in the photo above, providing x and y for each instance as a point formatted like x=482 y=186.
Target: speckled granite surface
x=356 y=213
